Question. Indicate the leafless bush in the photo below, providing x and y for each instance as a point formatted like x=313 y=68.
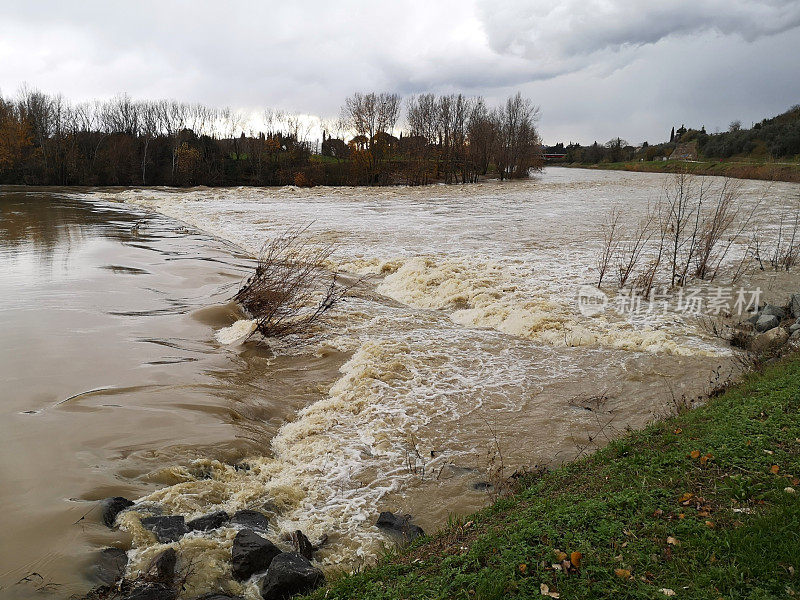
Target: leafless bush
x=687 y=235
x=610 y=243
x=415 y=462
x=712 y=248
x=782 y=253
x=291 y=289
x=630 y=251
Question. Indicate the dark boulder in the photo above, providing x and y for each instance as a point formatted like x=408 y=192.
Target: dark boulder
x=400 y=526
x=303 y=545
x=167 y=529
x=290 y=574
x=767 y=322
x=251 y=554
x=162 y=567
x=152 y=591
x=771 y=309
x=251 y=519
x=794 y=305
x=208 y=522
x=111 y=564
x=112 y=507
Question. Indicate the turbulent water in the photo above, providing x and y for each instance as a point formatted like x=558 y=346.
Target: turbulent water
x=462 y=352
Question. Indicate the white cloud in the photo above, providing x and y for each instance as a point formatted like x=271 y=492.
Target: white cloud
x=599 y=65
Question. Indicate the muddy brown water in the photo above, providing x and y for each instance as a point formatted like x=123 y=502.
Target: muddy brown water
x=109 y=371
x=462 y=352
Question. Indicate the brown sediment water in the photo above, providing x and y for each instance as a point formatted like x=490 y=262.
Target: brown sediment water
x=462 y=351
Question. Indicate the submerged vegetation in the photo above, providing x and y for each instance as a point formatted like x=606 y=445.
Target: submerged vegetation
x=46 y=140
x=291 y=289
x=701 y=505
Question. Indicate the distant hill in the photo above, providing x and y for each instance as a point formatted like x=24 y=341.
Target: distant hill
x=778 y=137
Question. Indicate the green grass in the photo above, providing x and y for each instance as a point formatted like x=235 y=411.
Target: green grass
x=737 y=529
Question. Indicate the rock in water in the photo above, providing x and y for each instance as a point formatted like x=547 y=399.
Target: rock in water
x=399 y=525
x=152 y=591
x=767 y=322
x=251 y=519
x=112 y=507
x=111 y=565
x=162 y=567
x=769 y=341
x=302 y=545
x=794 y=305
x=771 y=309
x=290 y=574
x=251 y=554
x=208 y=522
x=167 y=529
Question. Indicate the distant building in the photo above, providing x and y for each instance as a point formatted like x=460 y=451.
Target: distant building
x=686 y=151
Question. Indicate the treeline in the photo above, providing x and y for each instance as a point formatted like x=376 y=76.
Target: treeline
x=775 y=138
x=46 y=140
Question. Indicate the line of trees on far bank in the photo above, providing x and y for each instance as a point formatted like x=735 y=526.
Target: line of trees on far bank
x=46 y=140
x=770 y=139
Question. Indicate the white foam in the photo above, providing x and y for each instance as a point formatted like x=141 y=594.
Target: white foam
x=237 y=333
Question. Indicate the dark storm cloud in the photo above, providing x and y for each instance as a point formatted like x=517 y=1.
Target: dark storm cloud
x=569 y=28
x=598 y=68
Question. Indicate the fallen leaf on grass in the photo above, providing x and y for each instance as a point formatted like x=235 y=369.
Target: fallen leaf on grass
x=523 y=568
x=545 y=591
x=575 y=558
x=560 y=555
x=667 y=591
x=710 y=524
x=622 y=573
x=789 y=490
x=706 y=458
x=695 y=454
x=774 y=469
x=678 y=431
x=672 y=541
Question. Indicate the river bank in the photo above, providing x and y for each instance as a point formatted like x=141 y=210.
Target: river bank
x=701 y=505
x=766 y=171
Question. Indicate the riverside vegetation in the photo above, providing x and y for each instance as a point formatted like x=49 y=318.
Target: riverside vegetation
x=769 y=150
x=46 y=140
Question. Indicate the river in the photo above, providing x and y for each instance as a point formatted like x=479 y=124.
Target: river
x=460 y=354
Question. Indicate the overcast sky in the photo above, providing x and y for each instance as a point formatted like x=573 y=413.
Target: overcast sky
x=597 y=68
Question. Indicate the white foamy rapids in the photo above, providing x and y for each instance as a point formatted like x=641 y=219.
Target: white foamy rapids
x=332 y=466
x=505 y=298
